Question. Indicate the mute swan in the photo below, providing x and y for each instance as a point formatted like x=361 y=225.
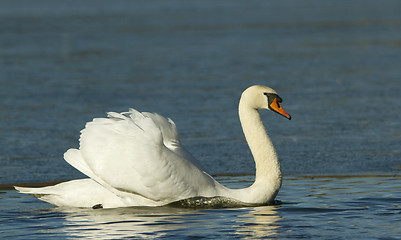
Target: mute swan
x=136 y=159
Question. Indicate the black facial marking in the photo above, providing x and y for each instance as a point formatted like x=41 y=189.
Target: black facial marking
x=271 y=97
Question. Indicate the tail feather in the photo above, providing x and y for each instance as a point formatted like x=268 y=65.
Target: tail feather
x=27 y=190
x=42 y=193
x=75 y=193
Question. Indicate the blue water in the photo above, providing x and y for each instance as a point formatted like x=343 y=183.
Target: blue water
x=336 y=64
x=317 y=208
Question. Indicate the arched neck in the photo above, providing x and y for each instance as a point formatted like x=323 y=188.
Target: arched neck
x=268 y=173
x=265 y=156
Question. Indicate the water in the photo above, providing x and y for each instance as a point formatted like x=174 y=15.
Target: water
x=334 y=63
x=318 y=208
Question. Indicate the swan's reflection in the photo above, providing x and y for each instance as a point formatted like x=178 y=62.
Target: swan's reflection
x=155 y=222
x=259 y=222
x=125 y=222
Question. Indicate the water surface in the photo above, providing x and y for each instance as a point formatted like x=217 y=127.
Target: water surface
x=363 y=207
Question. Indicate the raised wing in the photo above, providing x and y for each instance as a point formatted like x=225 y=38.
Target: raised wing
x=140 y=153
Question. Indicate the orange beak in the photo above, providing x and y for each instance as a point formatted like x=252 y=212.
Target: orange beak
x=275 y=106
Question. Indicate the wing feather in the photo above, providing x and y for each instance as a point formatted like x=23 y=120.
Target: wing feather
x=140 y=153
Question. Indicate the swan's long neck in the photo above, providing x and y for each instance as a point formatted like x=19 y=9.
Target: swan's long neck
x=268 y=172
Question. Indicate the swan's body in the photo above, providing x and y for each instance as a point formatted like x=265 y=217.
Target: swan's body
x=136 y=159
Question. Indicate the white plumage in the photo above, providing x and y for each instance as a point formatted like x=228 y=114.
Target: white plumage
x=136 y=159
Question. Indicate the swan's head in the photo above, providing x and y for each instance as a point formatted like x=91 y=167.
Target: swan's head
x=261 y=97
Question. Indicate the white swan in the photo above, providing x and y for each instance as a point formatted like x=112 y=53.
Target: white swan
x=136 y=159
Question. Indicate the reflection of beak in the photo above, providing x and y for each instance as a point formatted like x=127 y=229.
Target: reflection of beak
x=275 y=106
